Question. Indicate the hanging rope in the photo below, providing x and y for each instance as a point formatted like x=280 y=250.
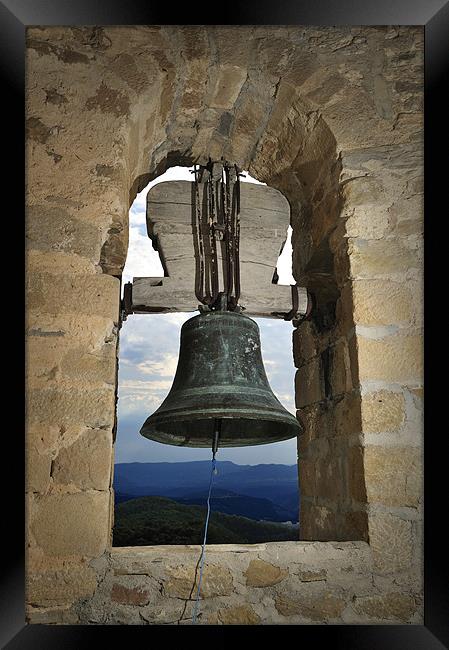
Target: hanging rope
x=203 y=550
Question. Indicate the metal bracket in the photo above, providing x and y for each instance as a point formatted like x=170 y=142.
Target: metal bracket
x=293 y=314
x=126 y=305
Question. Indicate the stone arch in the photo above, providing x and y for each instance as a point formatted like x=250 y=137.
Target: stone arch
x=296 y=153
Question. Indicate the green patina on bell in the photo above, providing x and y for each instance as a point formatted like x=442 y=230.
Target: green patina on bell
x=220 y=382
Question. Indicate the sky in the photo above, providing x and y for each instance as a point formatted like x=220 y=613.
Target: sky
x=148 y=354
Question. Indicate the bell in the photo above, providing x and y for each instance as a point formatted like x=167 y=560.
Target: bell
x=220 y=385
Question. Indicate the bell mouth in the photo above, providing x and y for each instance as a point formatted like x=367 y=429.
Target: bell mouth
x=220 y=377
x=238 y=431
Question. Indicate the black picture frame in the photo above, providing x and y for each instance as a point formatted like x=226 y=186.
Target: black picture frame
x=15 y=16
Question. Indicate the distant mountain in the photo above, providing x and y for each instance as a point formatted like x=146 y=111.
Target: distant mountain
x=263 y=492
x=148 y=521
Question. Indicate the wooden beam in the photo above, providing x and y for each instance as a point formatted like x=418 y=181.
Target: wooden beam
x=163 y=295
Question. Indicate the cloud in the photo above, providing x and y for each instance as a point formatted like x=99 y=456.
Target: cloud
x=138 y=385
x=165 y=368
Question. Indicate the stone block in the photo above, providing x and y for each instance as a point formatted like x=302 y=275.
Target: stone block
x=51 y=229
x=353 y=525
x=340 y=370
x=380 y=258
x=182 y=583
x=59 y=586
x=369 y=221
x=263 y=574
x=317 y=420
x=393 y=475
x=238 y=615
x=59 y=262
x=96 y=295
x=71 y=524
x=87 y=367
x=346 y=416
x=228 y=83
x=391 y=541
x=356 y=474
x=312 y=576
x=391 y=606
x=87 y=462
x=94 y=408
x=317 y=522
x=318 y=608
x=53 y=356
x=51 y=616
x=382 y=302
x=43 y=357
x=42 y=438
x=304 y=343
x=344 y=309
x=329 y=479
x=37 y=474
x=308 y=384
x=307 y=476
x=130 y=594
x=397 y=358
x=95 y=333
x=382 y=411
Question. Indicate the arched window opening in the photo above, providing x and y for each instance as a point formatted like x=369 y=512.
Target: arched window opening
x=160 y=490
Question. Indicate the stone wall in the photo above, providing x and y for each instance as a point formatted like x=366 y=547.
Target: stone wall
x=274 y=583
x=332 y=117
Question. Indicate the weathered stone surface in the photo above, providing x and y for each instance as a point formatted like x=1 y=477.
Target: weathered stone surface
x=325 y=607
x=239 y=615
x=54 y=229
x=380 y=259
x=340 y=371
x=61 y=407
x=317 y=522
x=347 y=415
x=58 y=262
x=304 y=343
x=71 y=524
x=393 y=475
x=51 y=616
x=92 y=294
x=396 y=358
x=228 y=83
x=87 y=367
x=182 y=582
x=37 y=472
x=392 y=606
x=356 y=474
x=55 y=358
x=126 y=595
x=382 y=411
x=391 y=541
x=312 y=576
x=94 y=332
x=263 y=574
x=63 y=585
x=382 y=302
x=86 y=463
x=308 y=384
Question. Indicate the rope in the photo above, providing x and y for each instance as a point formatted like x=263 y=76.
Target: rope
x=203 y=550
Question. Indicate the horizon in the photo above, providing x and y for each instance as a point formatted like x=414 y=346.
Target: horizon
x=173 y=462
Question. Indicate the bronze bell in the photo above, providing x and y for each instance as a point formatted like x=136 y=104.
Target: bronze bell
x=220 y=385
